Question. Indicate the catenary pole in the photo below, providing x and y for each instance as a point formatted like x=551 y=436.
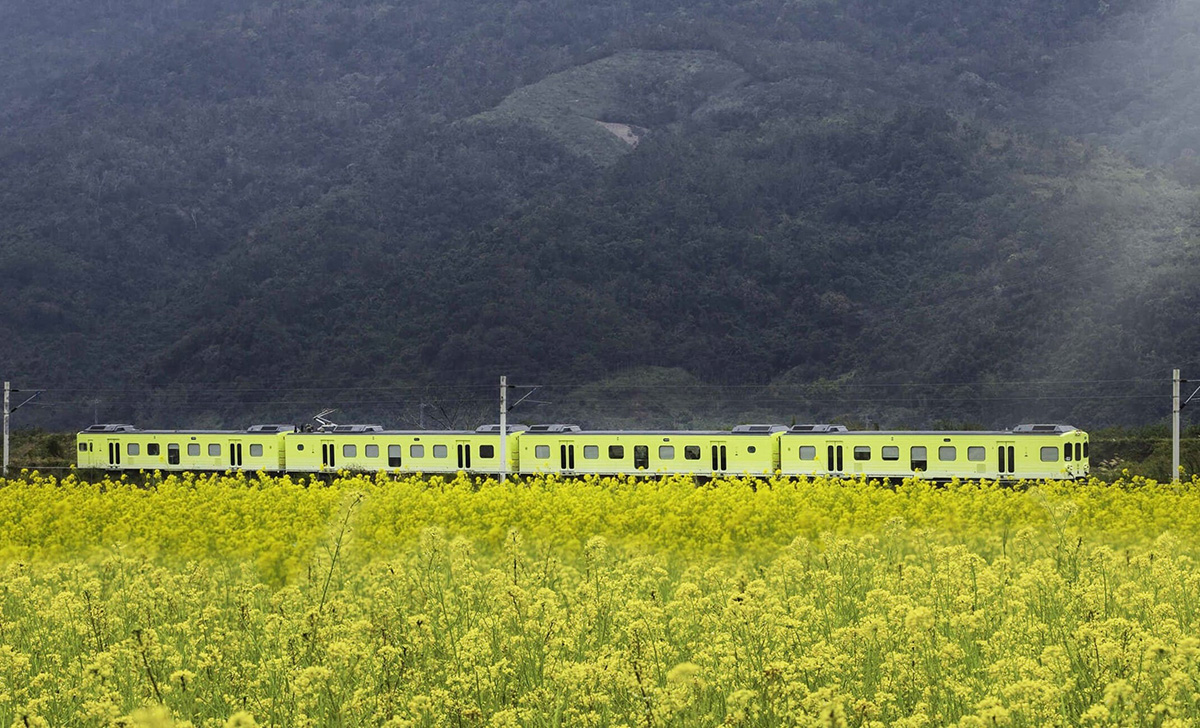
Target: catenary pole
x=7 y=401
x=1175 y=426
x=1176 y=407
x=503 y=427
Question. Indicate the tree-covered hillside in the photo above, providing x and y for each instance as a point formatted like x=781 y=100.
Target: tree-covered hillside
x=242 y=199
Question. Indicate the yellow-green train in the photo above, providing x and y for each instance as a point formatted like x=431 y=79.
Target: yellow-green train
x=1052 y=452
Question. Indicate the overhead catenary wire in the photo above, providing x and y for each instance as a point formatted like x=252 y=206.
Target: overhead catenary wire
x=177 y=388
x=208 y=404
x=463 y=403
x=811 y=390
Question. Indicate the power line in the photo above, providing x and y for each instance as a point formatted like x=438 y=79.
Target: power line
x=1040 y=382
x=180 y=388
x=175 y=388
x=909 y=400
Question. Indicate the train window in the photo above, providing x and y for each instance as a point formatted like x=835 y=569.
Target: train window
x=416 y=451
x=1078 y=451
x=394 y=455
x=666 y=452
x=349 y=451
x=976 y=454
x=172 y=454
x=214 y=449
x=487 y=451
x=83 y=447
x=1067 y=452
x=890 y=452
x=947 y=453
x=591 y=452
x=439 y=451
x=371 y=451
x=616 y=452
x=152 y=448
x=133 y=448
x=256 y=451
x=541 y=451
x=194 y=449
x=1085 y=449
x=691 y=452
x=808 y=452
x=1050 y=454
x=862 y=452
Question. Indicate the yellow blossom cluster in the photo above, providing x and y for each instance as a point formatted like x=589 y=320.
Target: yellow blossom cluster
x=235 y=600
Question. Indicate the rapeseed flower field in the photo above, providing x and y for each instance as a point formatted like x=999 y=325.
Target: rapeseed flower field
x=234 y=600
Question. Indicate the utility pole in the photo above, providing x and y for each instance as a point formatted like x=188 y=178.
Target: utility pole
x=1176 y=406
x=7 y=402
x=8 y=410
x=504 y=408
x=503 y=427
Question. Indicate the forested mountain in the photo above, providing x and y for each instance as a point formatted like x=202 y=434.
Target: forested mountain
x=242 y=208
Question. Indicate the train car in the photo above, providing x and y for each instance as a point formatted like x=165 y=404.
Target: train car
x=125 y=447
x=1039 y=451
x=371 y=448
x=1053 y=452
x=568 y=450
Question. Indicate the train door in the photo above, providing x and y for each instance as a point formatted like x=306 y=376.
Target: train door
x=720 y=458
x=328 y=454
x=114 y=454
x=918 y=459
x=566 y=456
x=835 y=457
x=1006 y=458
x=464 y=455
x=235 y=454
x=1072 y=455
x=641 y=457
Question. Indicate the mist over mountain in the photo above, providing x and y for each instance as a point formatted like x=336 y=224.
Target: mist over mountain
x=898 y=211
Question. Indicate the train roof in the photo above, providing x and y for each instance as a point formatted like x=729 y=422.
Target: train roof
x=110 y=428
x=136 y=431
x=650 y=432
x=801 y=430
x=947 y=433
x=327 y=433
x=560 y=430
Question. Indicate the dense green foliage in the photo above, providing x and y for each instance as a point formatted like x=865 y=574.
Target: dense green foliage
x=368 y=194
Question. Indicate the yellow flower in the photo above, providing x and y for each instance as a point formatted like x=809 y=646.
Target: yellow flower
x=241 y=719
x=919 y=619
x=685 y=673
